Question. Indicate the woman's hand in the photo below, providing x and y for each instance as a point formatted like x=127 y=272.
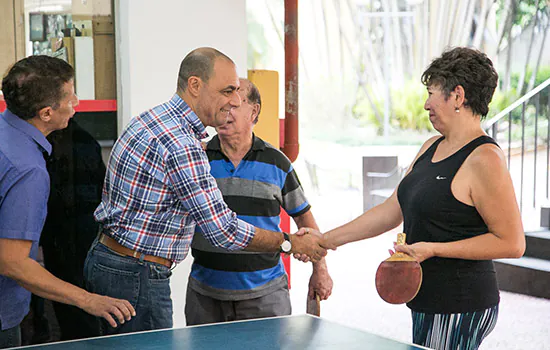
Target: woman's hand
x=420 y=251
x=326 y=243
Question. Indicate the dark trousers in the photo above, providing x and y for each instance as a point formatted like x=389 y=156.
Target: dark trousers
x=74 y=323
x=144 y=284
x=10 y=337
x=202 y=309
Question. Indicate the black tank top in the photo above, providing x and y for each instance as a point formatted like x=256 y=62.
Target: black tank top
x=432 y=214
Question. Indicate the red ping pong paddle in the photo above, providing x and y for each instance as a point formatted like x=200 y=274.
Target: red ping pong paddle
x=313 y=306
x=399 y=277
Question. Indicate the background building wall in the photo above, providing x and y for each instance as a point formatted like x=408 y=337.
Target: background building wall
x=154 y=36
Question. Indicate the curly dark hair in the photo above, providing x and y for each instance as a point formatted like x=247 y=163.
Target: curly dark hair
x=35 y=82
x=466 y=67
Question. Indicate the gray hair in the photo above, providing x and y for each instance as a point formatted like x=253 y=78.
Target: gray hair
x=253 y=96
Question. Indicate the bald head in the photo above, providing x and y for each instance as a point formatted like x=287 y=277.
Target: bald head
x=199 y=63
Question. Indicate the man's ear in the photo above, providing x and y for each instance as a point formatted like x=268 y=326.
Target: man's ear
x=45 y=114
x=460 y=96
x=194 y=85
x=255 y=110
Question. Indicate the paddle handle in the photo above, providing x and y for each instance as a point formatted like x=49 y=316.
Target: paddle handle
x=399 y=256
x=401 y=238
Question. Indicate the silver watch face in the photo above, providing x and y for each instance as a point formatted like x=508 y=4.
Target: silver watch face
x=285 y=246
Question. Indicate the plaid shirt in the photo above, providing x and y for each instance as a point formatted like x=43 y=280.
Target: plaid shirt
x=158 y=187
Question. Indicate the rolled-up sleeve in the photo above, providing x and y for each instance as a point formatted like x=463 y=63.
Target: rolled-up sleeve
x=189 y=173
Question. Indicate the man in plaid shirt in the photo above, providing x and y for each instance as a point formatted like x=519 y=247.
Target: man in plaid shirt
x=158 y=190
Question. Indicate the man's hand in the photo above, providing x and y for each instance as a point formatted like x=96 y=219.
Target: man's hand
x=308 y=244
x=15 y=263
x=320 y=281
x=324 y=243
x=106 y=307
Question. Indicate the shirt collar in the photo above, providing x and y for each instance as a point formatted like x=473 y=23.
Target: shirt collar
x=28 y=129
x=257 y=144
x=178 y=104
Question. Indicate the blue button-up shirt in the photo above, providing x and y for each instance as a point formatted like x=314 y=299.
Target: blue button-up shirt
x=24 y=191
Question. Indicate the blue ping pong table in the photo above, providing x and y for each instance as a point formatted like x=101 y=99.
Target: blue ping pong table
x=289 y=332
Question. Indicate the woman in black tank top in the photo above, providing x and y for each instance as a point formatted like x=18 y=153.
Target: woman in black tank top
x=457 y=206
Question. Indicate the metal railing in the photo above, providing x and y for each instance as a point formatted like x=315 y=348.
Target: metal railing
x=523 y=131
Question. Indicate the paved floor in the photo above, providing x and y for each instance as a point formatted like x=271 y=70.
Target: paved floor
x=524 y=322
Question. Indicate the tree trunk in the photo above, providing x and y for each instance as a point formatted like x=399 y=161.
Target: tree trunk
x=521 y=81
x=506 y=24
x=463 y=23
x=326 y=35
x=398 y=68
x=478 y=36
x=507 y=72
x=541 y=50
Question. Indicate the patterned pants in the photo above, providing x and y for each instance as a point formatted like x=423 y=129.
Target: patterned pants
x=453 y=331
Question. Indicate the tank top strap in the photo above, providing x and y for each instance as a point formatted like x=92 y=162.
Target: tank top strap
x=467 y=149
x=428 y=154
x=452 y=163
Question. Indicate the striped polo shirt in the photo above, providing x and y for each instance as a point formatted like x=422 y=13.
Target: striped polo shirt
x=262 y=183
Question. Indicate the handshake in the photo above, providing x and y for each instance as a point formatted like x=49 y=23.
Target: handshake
x=310 y=245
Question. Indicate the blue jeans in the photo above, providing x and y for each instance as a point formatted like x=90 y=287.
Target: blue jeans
x=10 y=337
x=144 y=284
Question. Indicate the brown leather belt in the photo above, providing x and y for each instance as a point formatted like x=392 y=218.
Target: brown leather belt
x=122 y=250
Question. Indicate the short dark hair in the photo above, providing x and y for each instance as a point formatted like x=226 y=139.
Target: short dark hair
x=466 y=67
x=199 y=63
x=253 y=96
x=35 y=82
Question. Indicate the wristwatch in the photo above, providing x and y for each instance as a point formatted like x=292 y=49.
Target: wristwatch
x=286 y=246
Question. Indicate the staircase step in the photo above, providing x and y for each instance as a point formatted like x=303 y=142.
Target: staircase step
x=528 y=262
x=538 y=244
x=529 y=276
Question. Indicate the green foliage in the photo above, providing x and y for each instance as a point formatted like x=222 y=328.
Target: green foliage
x=407 y=110
x=363 y=110
x=526 y=10
x=543 y=74
x=501 y=100
x=531 y=123
x=408 y=107
x=258 y=48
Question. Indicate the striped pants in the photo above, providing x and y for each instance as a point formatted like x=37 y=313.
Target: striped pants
x=453 y=331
